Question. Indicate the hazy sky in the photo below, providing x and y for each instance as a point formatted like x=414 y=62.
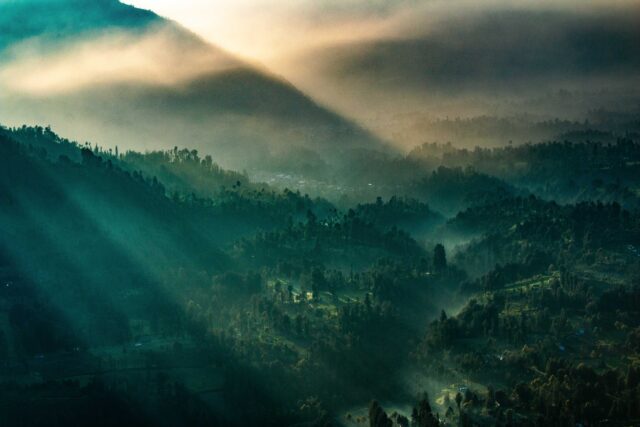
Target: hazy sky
x=267 y=30
x=356 y=54
x=270 y=30
x=378 y=63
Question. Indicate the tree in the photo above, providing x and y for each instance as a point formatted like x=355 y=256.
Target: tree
x=278 y=287
x=439 y=258
x=90 y=159
x=491 y=397
x=377 y=416
x=299 y=324
x=318 y=282
x=286 y=323
x=422 y=414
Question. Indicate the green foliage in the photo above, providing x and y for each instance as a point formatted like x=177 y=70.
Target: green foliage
x=162 y=278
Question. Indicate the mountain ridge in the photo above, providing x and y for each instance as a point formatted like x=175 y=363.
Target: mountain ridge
x=227 y=111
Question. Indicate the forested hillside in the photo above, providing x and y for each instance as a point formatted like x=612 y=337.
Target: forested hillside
x=319 y=213
x=158 y=288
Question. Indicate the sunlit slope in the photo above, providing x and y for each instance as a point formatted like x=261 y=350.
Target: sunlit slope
x=127 y=75
x=96 y=239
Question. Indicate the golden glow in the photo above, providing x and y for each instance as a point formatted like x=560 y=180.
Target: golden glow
x=157 y=57
x=273 y=31
x=268 y=30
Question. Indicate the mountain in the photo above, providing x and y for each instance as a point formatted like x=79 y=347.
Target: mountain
x=104 y=71
x=491 y=60
x=63 y=19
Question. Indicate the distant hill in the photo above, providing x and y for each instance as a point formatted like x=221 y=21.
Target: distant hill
x=58 y=20
x=244 y=116
x=499 y=60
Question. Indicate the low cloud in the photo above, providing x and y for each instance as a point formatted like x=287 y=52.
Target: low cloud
x=162 y=55
x=465 y=59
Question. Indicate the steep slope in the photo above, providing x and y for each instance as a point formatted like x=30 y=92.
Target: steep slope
x=127 y=75
x=94 y=259
x=91 y=237
x=58 y=20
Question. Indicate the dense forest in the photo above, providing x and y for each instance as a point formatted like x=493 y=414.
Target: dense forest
x=443 y=287
x=319 y=213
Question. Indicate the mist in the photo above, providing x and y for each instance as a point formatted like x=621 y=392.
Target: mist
x=319 y=213
x=158 y=85
x=499 y=62
x=162 y=55
x=399 y=68
x=386 y=73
